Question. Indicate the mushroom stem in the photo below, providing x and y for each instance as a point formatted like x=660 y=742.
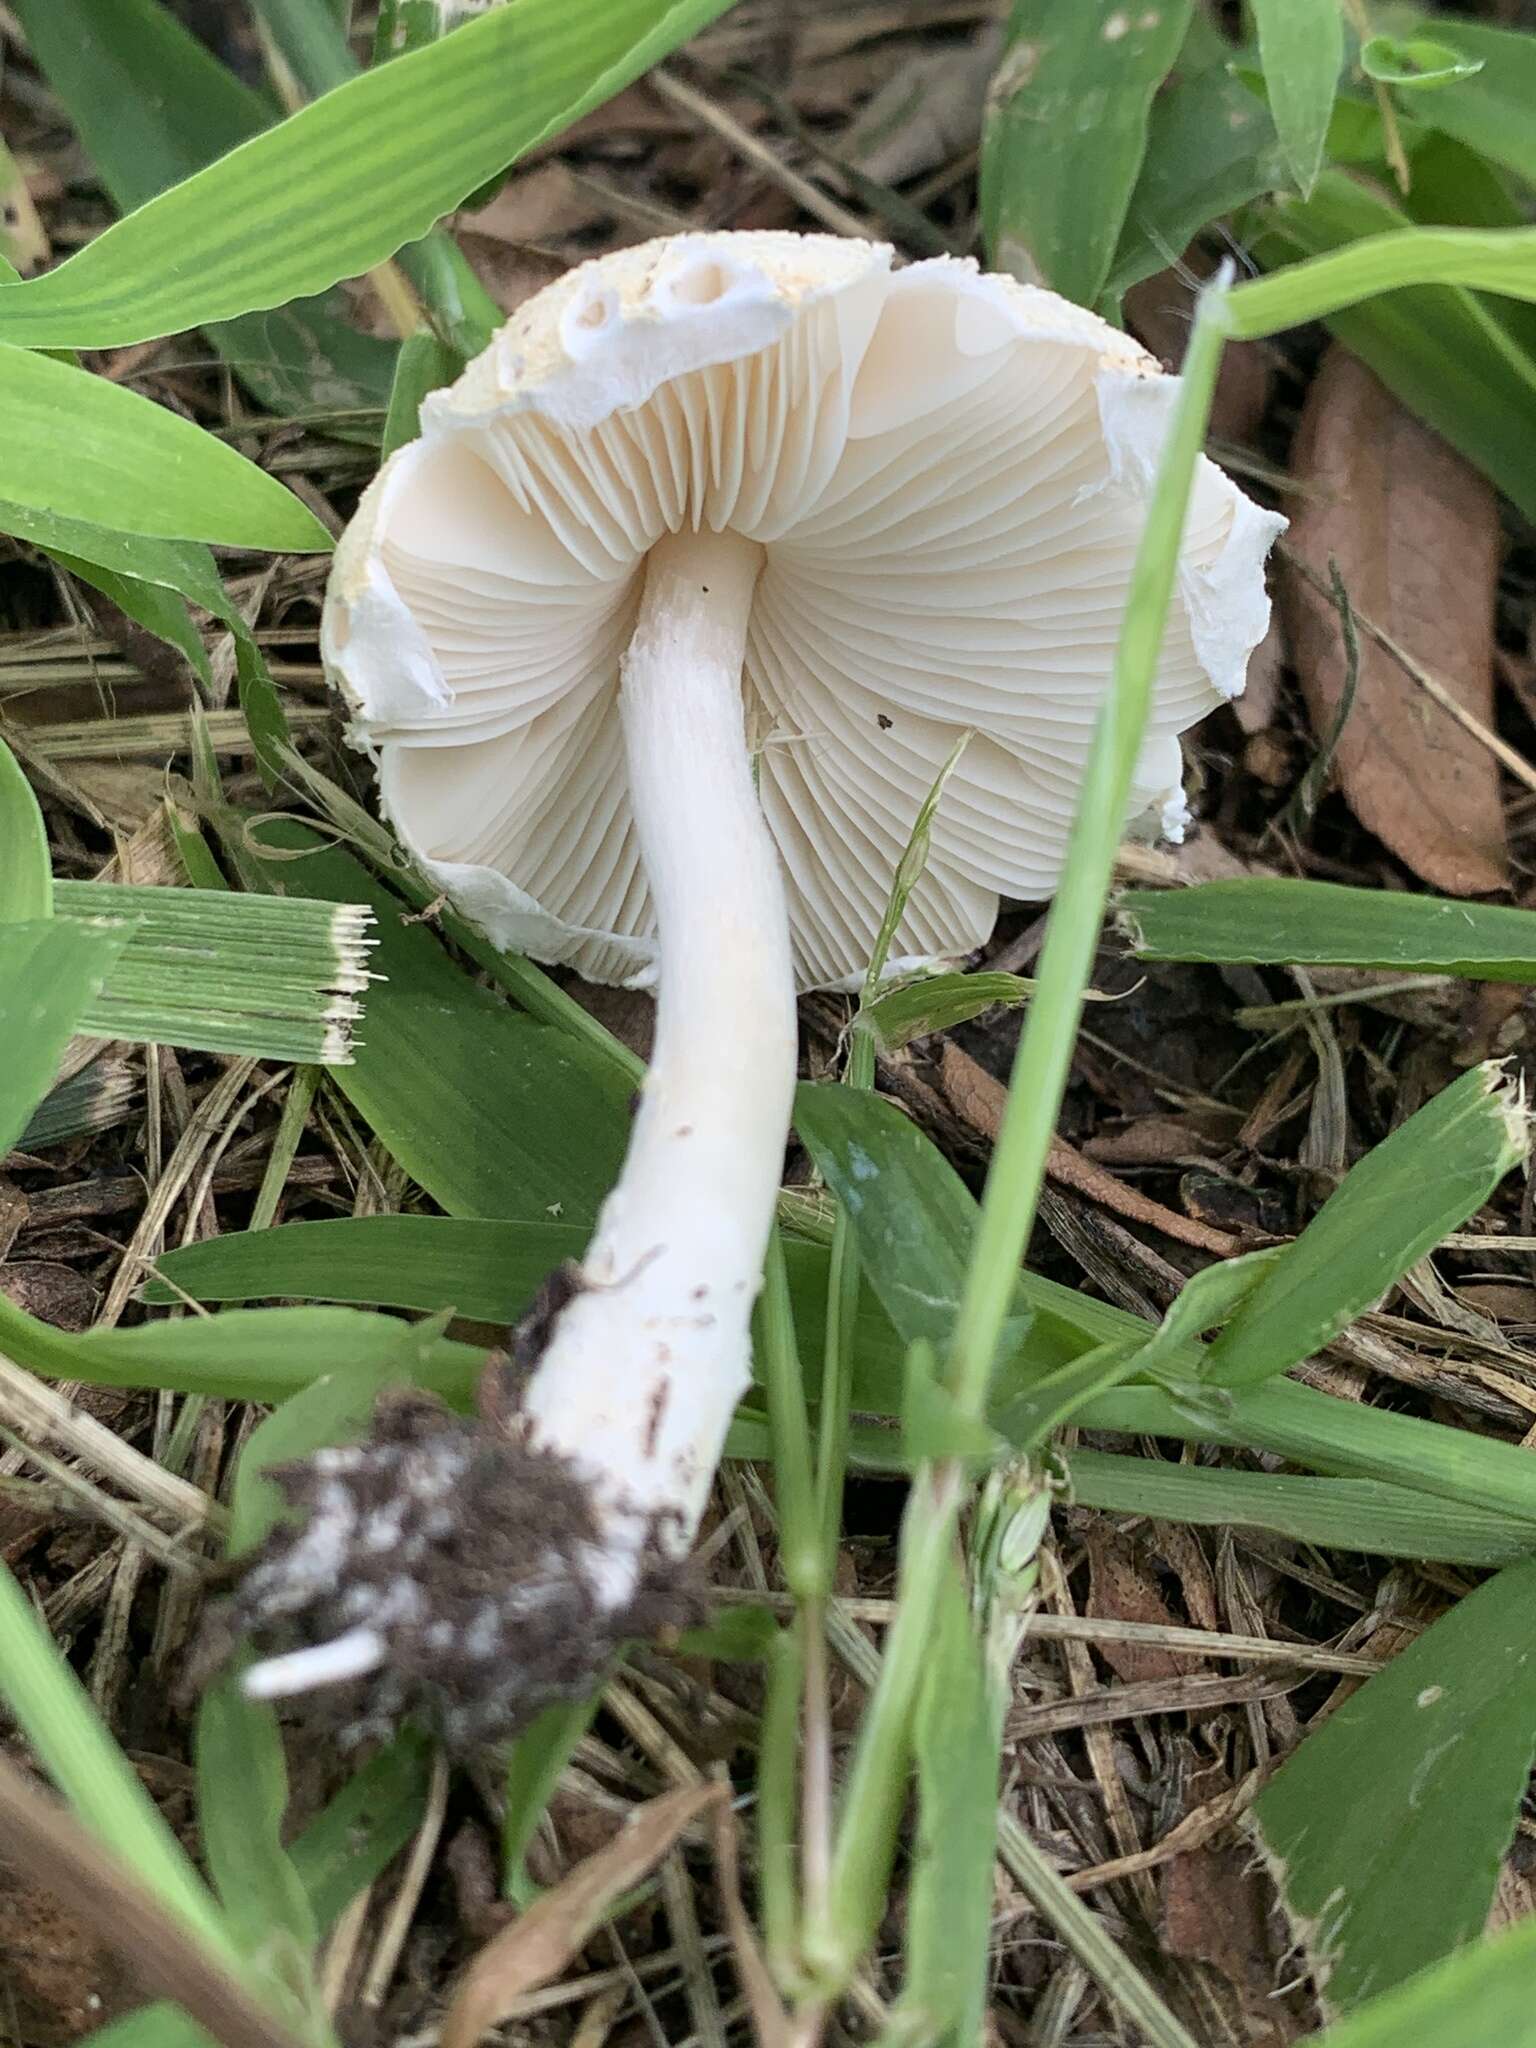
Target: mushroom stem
x=646 y=1364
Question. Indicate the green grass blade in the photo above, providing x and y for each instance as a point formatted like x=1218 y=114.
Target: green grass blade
x=242 y=1781
x=86 y=1764
x=315 y=47
x=874 y=1788
x=1344 y=1514
x=151 y=106
x=1065 y=133
x=1325 y=924
x=1301 y=47
x=152 y=2026
x=489 y=1270
x=1385 y=1214
x=1472 y=259
x=1422 y=1771
x=150 y=605
x=1472 y=1999
x=90 y=449
x=489 y=1112
x=949 y=1896
x=778 y=1755
x=98 y=552
x=49 y=970
x=26 y=872
x=272 y=977
x=1332 y=1436
x=538 y=1757
x=103 y=1094
x=936 y=1002
x=351 y=1840
x=1431 y=339
x=1044 y=1055
x=247 y=1355
x=330 y=193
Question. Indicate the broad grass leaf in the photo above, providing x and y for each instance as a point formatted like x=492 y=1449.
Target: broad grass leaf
x=330 y=192
x=538 y=1757
x=26 y=872
x=49 y=970
x=1387 y=1827
x=1474 y=1998
x=242 y=1783
x=483 y=1269
x=1325 y=924
x=489 y=1112
x=134 y=570
x=1414 y=530
x=1394 y=1205
x=936 y=1002
x=151 y=106
x=1301 y=47
x=487 y=1270
x=259 y=1354
x=949 y=1897
x=1065 y=133
x=1415 y=63
x=1332 y=1436
x=1437 y=347
x=1211 y=147
x=89 y=449
x=1347 y=1514
x=185 y=566
x=424 y=364
x=273 y=977
x=150 y=605
x=932 y=1425
x=152 y=2026
x=912 y=1216
x=352 y=1839
x=1029 y=1420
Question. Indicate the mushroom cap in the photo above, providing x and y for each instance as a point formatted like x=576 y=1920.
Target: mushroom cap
x=947 y=472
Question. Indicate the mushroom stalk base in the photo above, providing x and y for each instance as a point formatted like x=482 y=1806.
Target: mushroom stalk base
x=478 y=1573
x=645 y=1366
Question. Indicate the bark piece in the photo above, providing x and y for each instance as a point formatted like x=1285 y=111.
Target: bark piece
x=1415 y=532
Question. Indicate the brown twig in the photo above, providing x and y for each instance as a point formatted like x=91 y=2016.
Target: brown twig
x=978 y=1097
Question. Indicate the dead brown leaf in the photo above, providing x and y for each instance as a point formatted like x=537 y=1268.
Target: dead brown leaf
x=540 y=1942
x=1121 y=1589
x=1415 y=532
x=1217 y=1910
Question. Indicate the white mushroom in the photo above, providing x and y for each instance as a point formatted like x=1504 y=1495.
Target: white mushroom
x=660 y=635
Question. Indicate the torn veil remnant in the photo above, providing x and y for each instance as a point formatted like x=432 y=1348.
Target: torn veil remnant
x=660 y=635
